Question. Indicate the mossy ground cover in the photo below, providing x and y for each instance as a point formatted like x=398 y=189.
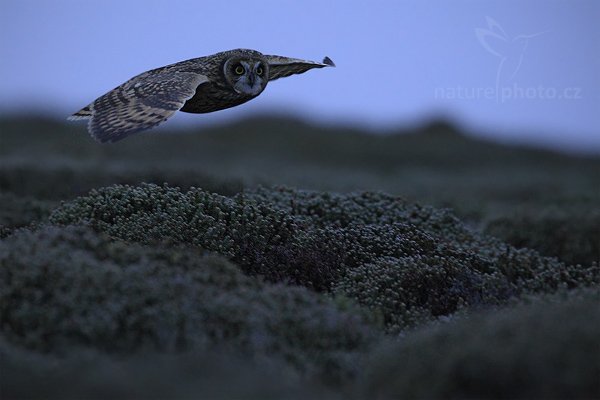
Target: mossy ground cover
x=341 y=286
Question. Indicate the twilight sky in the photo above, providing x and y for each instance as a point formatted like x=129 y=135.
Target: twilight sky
x=524 y=71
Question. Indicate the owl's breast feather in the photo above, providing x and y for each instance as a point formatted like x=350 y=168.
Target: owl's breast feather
x=209 y=98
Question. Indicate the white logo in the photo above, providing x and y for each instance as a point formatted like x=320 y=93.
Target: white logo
x=510 y=51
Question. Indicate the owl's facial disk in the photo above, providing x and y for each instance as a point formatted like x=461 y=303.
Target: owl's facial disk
x=248 y=76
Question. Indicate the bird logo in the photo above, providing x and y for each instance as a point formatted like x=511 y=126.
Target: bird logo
x=510 y=51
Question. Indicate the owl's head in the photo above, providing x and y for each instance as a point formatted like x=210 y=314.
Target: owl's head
x=247 y=73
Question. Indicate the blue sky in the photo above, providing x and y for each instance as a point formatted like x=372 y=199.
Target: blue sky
x=523 y=71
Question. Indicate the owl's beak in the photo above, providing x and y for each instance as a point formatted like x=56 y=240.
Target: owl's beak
x=249 y=84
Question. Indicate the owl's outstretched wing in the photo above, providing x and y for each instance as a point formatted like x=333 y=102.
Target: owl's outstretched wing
x=280 y=67
x=140 y=103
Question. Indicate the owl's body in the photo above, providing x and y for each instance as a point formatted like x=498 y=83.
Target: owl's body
x=212 y=97
x=199 y=85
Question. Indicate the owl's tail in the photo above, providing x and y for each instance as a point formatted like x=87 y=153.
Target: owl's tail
x=84 y=113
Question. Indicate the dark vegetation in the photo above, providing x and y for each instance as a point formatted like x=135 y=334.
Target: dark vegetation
x=275 y=259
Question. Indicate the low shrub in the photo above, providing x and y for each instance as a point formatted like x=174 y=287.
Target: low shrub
x=17 y=212
x=69 y=286
x=403 y=261
x=549 y=349
x=573 y=237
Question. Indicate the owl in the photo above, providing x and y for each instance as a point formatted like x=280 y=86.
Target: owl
x=199 y=85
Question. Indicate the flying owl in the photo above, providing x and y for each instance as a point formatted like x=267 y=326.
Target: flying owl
x=199 y=85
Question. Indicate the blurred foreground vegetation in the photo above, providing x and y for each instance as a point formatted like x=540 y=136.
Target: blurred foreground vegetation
x=275 y=259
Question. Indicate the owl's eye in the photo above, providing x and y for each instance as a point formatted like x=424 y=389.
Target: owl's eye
x=239 y=70
x=259 y=71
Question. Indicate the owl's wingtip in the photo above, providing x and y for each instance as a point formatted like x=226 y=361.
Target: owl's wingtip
x=328 y=61
x=75 y=117
x=84 y=113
